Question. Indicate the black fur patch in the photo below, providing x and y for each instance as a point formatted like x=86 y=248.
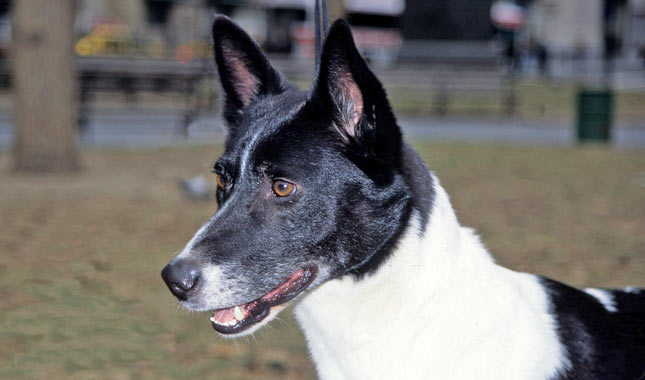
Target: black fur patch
x=600 y=345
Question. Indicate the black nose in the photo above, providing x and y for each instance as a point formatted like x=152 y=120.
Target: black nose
x=181 y=277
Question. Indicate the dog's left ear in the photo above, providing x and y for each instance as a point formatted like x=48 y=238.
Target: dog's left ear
x=348 y=90
x=244 y=71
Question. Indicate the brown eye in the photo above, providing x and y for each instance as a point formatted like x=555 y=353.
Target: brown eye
x=221 y=182
x=283 y=188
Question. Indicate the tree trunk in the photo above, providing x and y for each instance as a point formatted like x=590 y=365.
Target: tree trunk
x=45 y=86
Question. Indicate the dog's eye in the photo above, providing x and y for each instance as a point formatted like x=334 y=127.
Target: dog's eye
x=283 y=188
x=221 y=181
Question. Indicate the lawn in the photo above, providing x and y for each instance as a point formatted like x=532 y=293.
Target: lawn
x=80 y=255
x=536 y=99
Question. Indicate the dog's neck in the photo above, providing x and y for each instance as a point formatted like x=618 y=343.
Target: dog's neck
x=444 y=274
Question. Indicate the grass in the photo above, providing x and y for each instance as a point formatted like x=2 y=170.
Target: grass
x=81 y=254
x=535 y=99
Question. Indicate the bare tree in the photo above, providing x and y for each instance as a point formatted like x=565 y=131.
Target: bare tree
x=45 y=85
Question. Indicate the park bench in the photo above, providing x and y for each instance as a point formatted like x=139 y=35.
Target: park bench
x=439 y=90
x=132 y=76
x=454 y=90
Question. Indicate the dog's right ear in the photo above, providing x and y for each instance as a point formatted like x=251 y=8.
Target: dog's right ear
x=244 y=71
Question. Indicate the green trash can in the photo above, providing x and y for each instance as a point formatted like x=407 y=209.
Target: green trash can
x=594 y=115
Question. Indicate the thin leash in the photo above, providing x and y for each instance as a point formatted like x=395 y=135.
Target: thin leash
x=321 y=33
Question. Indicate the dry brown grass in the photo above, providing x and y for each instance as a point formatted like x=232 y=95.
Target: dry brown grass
x=80 y=255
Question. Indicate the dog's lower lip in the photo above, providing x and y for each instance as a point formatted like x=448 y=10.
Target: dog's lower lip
x=257 y=310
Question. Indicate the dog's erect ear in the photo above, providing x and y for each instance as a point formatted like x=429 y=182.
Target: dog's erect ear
x=244 y=71
x=355 y=98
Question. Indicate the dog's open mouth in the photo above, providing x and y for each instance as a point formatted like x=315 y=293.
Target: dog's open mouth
x=238 y=318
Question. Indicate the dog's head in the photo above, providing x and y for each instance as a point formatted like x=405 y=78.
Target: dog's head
x=311 y=186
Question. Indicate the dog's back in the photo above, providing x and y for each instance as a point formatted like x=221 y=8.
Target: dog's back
x=603 y=331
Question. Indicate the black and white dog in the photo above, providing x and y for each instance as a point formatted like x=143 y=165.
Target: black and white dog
x=320 y=200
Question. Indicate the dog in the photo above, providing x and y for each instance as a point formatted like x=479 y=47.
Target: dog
x=322 y=204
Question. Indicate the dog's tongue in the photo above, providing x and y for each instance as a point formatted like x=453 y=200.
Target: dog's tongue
x=224 y=316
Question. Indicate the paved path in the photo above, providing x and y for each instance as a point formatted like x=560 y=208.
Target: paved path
x=625 y=134
x=134 y=129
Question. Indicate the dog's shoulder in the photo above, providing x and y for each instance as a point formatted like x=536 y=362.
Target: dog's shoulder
x=602 y=331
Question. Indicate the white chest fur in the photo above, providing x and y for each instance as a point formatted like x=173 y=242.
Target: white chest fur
x=439 y=308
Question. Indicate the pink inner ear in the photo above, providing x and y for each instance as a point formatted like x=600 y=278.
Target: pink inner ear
x=246 y=84
x=353 y=93
x=349 y=103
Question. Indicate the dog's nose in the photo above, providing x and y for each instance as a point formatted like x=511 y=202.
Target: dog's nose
x=181 y=277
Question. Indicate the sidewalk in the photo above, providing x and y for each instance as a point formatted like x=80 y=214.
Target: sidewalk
x=625 y=134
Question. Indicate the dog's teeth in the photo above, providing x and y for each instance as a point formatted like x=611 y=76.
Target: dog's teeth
x=239 y=315
x=230 y=323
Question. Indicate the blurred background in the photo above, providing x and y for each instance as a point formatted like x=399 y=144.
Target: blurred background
x=532 y=113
